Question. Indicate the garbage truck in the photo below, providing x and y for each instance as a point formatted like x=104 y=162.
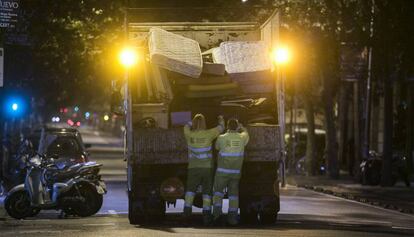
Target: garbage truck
x=158 y=100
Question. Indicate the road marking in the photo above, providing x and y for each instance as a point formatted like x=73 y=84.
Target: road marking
x=101 y=224
x=361 y=203
x=403 y=228
x=112 y=212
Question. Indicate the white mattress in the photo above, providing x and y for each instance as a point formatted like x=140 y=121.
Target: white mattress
x=218 y=57
x=242 y=57
x=175 y=52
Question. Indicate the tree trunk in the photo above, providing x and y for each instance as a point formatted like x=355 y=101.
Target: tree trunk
x=388 y=131
x=410 y=128
x=343 y=119
x=331 y=145
x=310 y=138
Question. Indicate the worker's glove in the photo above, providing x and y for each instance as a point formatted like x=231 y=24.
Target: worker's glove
x=240 y=128
x=221 y=122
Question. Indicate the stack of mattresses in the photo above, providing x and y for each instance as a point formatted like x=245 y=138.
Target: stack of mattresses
x=155 y=146
x=175 y=52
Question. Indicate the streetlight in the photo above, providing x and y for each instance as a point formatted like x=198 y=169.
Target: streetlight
x=281 y=57
x=106 y=117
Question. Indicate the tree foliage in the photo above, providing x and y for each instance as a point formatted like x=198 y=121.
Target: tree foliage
x=70 y=41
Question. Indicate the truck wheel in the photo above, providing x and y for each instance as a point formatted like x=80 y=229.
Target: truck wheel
x=267 y=218
x=155 y=209
x=248 y=215
x=136 y=212
x=270 y=209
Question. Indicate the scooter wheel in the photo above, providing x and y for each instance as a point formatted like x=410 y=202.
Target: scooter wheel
x=17 y=205
x=92 y=201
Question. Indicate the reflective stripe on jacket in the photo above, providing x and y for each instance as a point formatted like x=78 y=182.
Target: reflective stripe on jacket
x=199 y=146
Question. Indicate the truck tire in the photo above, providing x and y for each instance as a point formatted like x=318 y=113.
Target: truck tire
x=270 y=209
x=248 y=215
x=268 y=218
x=154 y=209
x=136 y=212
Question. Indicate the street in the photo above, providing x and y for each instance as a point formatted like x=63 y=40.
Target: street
x=303 y=212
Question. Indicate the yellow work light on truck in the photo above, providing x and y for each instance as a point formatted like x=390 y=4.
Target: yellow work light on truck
x=128 y=57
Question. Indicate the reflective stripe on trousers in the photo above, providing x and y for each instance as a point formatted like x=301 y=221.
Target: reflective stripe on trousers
x=232 y=154
x=206 y=202
x=228 y=171
x=201 y=156
x=189 y=199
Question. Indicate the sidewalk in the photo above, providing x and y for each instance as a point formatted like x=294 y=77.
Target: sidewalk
x=399 y=197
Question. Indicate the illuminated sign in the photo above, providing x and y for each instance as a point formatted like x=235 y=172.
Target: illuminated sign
x=8 y=13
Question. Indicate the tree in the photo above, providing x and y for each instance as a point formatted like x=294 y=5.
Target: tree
x=71 y=41
x=327 y=23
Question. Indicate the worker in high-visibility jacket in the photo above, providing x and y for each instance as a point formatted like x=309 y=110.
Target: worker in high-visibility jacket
x=230 y=160
x=200 y=162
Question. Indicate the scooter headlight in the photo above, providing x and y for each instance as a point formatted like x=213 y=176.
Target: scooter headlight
x=35 y=161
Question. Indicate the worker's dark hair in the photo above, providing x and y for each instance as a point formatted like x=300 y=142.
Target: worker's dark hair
x=232 y=124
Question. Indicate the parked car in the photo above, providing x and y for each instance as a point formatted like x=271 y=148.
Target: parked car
x=64 y=144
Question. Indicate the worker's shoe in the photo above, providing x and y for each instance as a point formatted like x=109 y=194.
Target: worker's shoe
x=232 y=218
x=207 y=218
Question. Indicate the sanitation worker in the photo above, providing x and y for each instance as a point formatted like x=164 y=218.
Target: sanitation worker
x=230 y=160
x=200 y=163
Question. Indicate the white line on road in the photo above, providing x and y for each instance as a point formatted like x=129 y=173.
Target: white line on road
x=101 y=224
x=112 y=212
x=361 y=203
x=403 y=228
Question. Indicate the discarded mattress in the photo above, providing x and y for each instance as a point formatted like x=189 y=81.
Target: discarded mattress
x=217 y=55
x=239 y=57
x=162 y=87
x=175 y=52
x=203 y=91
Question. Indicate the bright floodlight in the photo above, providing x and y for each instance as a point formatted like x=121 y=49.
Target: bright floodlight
x=128 y=57
x=106 y=117
x=281 y=55
x=15 y=106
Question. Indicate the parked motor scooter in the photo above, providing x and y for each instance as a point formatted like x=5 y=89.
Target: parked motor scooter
x=76 y=190
x=371 y=168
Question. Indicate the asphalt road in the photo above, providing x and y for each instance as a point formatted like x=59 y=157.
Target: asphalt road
x=303 y=213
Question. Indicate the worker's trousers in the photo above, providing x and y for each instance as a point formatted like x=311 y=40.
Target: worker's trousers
x=232 y=184
x=196 y=177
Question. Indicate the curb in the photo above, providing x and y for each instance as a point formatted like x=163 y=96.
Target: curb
x=358 y=199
